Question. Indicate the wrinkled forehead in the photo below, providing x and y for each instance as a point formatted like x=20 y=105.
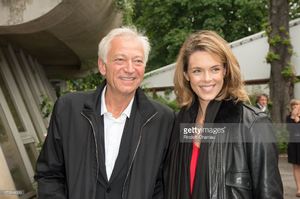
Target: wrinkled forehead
x=126 y=45
x=126 y=41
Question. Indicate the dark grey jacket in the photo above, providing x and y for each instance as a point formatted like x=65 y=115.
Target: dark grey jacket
x=68 y=165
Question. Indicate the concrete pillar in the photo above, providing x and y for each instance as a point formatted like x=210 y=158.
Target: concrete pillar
x=6 y=181
x=26 y=92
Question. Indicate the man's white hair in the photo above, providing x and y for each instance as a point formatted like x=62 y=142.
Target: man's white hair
x=105 y=43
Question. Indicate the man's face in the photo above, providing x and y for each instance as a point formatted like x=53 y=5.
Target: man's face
x=263 y=101
x=125 y=67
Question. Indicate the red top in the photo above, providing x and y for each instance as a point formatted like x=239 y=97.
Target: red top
x=193 y=165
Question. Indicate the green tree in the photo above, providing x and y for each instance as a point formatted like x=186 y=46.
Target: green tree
x=127 y=6
x=89 y=82
x=294 y=10
x=279 y=56
x=167 y=23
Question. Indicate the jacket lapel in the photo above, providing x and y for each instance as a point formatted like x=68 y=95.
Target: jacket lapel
x=92 y=110
x=101 y=148
x=144 y=112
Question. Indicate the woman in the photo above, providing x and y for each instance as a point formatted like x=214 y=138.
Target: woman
x=293 y=127
x=239 y=163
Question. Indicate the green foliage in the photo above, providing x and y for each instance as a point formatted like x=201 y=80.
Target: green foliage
x=170 y=103
x=276 y=39
x=267 y=28
x=282 y=137
x=294 y=9
x=167 y=23
x=271 y=56
x=39 y=146
x=282 y=29
x=127 y=6
x=286 y=42
x=287 y=72
x=174 y=40
x=282 y=145
x=290 y=50
x=165 y=98
x=46 y=106
x=296 y=79
x=90 y=82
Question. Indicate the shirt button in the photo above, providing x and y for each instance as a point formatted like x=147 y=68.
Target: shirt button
x=108 y=189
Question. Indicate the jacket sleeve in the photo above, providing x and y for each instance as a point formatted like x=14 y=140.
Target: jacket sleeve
x=159 y=189
x=50 y=170
x=263 y=160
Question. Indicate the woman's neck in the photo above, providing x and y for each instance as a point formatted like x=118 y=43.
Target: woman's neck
x=200 y=118
x=202 y=107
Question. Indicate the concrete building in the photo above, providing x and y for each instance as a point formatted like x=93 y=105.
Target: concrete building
x=40 y=40
x=250 y=52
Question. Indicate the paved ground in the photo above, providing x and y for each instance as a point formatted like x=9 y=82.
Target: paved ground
x=287 y=178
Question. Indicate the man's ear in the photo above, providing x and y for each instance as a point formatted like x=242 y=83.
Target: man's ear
x=101 y=67
x=186 y=76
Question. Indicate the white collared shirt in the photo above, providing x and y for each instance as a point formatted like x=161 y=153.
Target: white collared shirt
x=113 y=131
x=263 y=108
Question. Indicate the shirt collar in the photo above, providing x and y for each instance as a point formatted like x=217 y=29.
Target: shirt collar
x=263 y=108
x=127 y=110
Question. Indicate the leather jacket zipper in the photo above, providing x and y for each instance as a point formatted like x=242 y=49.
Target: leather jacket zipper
x=94 y=133
x=135 y=152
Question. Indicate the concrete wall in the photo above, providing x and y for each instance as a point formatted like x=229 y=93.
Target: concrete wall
x=14 y=12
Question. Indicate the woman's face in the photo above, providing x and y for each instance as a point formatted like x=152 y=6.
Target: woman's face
x=206 y=75
x=296 y=109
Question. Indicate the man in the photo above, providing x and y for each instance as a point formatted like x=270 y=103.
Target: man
x=262 y=102
x=110 y=143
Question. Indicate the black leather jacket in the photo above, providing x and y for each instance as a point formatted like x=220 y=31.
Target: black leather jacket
x=242 y=163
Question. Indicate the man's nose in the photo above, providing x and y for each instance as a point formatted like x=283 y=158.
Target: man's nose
x=129 y=67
